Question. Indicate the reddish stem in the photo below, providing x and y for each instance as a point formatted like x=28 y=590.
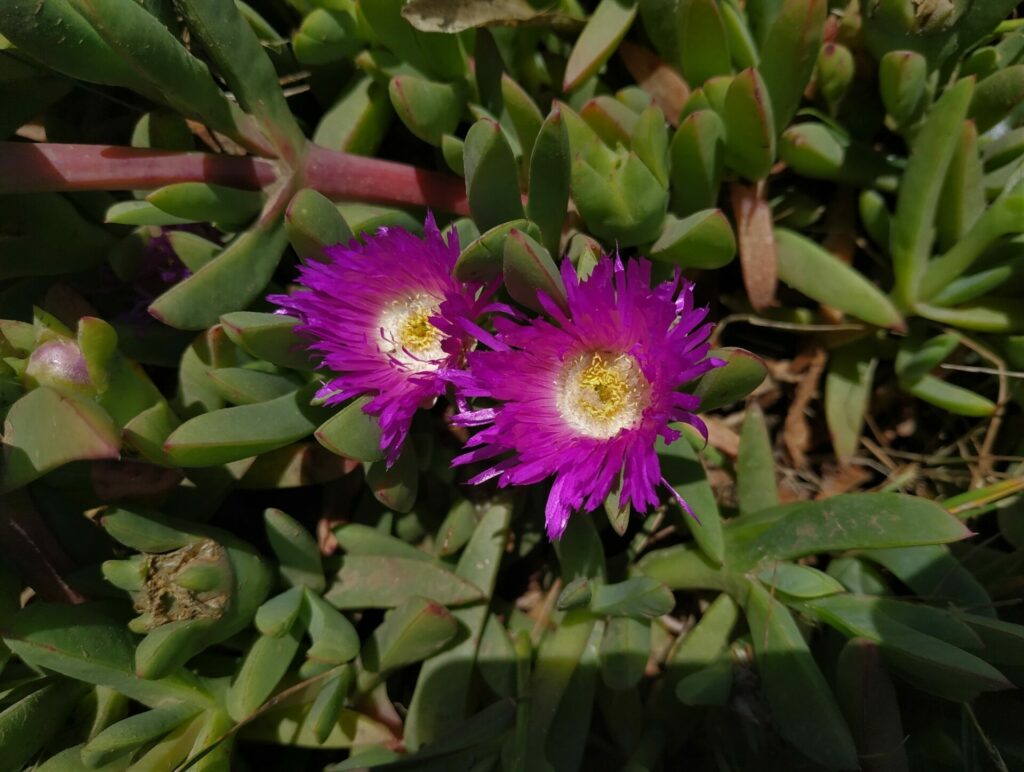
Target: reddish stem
x=52 y=167
x=354 y=177
x=47 y=167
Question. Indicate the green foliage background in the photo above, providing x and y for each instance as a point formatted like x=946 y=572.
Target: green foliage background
x=204 y=570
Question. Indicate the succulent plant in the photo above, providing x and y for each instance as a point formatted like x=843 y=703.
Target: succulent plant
x=454 y=284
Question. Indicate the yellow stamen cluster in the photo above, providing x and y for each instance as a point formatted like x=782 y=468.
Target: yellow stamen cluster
x=604 y=390
x=416 y=333
x=600 y=394
x=406 y=335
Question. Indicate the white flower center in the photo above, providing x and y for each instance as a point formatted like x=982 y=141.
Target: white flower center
x=407 y=336
x=600 y=394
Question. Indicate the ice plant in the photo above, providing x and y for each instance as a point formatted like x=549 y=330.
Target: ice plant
x=383 y=317
x=584 y=397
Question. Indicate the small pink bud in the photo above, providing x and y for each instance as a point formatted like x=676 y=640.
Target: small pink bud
x=59 y=363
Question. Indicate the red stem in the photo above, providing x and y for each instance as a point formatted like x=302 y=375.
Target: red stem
x=344 y=176
x=53 y=167
x=48 y=167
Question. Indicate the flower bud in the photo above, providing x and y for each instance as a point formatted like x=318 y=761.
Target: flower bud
x=59 y=364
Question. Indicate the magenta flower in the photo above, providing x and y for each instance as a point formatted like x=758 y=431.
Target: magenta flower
x=585 y=398
x=384 y=318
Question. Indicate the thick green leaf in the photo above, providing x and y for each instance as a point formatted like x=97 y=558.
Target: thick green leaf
x=383 y=581
x=697 y=152
x=270 y=337
x=949 y=396
x=352 y=433
x=396 y=487
x=358 y=120
x=930 y=664
x=314 y=223
x=602 y=34
x=277 y=615
x=234 y=433
x=702 y=240
x=481 y=260
x=640 y=598
x=848 y=384
x=681 y=467
x=335 y=640
x=868 y=699
x=749 y=126
x=625 y=649
x=932 y=572
x=711 y=686
x=428 y=109
x=788 y=54
x=996 y=96
x=913 y=229
x=363 y=540
x=823 y=152
x=416 y=629
x=200 y=201
x=227 y=283
x=163 y=63
x=265 y=664
x=798 y=581
x=327 y=35
x=438 y=55
x=1003 y=217
x=550 y=176
x=235 y=50
x=703 y=43
x=801 y=701
x=848 y=521
x=248 y=386
x=835 y=72
x=83 y=642
x=30 y=724
x=902 y=77
x=742 y=373
x=820 y=275
x=756 y=488
x=294 y=724
x=963 y=191
x=194 y=251
x=528 y=270
x=626 y=203
x=557 y=659
x=441 y=698
x=133 y=732
x=610 y=119
x=45 y=429
x=491 y=176
x=32 y=28
x=297 y=552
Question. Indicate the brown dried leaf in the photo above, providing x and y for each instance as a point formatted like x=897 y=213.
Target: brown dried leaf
x=796 y=431
x=756 y=243
x=451 y=16
x=665 y=85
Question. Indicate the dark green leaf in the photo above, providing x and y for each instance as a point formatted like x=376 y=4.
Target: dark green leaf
x=234 y=433
x=382 y=581
x=755 y=465
x=742 y=373
x=603 y=32
x=227 y=283
x=849 y=521
x=801 y=702
x=491 y=176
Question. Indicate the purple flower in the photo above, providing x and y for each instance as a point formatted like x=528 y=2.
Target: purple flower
x=585 y=398
x=386 y=318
